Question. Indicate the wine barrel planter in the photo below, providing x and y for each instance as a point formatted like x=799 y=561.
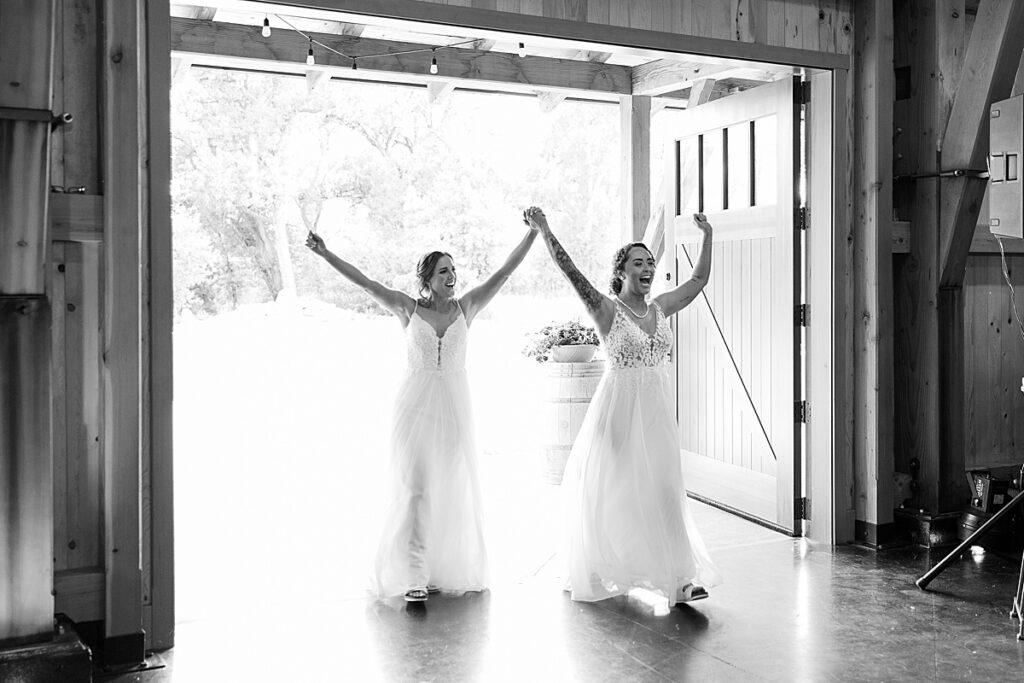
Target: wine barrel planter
x=568 y=390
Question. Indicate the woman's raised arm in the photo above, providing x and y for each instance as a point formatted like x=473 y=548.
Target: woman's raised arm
x=399 y=303
x=599 y=306
x=679 y=298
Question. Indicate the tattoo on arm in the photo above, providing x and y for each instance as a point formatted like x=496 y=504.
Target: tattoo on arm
x=588 y=294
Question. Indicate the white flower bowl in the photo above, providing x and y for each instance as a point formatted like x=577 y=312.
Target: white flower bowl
x=573 y=353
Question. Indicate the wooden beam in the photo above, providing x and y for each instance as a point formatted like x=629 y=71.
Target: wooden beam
x=438 y=92
x=1018 y=81
x=873 y=449
x=484 y=21
x=916 y=280
x=589 y=56
x=988 y=74
x=982 y=243
x=667 y=75
x=159 y=616
x=205 y=40
x=124 y=178
x=194 y=12
x=700 y=92
x=316 y=78
x=635 y=166
x=549 y=100
x=181 y=66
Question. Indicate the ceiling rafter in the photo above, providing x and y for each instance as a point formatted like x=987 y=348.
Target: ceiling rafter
x=206 y=42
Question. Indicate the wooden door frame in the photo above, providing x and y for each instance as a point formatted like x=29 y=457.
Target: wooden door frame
x=830 y=345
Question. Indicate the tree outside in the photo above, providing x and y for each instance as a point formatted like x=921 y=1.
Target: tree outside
x=384 y=176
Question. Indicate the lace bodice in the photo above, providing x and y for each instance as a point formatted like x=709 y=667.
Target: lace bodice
x=426 y=351
x=628 y=346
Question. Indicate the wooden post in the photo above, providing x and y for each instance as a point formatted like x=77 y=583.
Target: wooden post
x=123 y=180
x=636 y=165
x=917 y=281
x=160 y=622
x=26 y=472
x=26 y=453
x=873 y=361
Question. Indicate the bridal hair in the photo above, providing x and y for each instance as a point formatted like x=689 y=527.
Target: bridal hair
x=619 y=264
x=425 y=269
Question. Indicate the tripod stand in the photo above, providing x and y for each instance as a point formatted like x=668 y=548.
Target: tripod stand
x=1018 y=598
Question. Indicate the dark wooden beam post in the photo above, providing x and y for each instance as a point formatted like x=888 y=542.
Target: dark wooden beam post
x=873 y=355
x=26 y=453
x=124 y=180
x=916 y=279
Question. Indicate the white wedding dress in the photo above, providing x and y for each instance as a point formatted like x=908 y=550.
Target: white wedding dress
x=432 y=531
x=624 y=503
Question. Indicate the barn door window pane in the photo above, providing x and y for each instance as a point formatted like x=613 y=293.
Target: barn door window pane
x=712 y=171
x=687 y=179
x=738 y=167
x=765 y=152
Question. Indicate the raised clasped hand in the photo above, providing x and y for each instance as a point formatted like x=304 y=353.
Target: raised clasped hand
x=534 y=217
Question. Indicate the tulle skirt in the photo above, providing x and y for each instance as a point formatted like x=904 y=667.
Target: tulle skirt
x=626 y=522
x=433 y=527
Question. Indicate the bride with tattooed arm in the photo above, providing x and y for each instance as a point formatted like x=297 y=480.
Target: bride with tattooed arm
x=626 y=523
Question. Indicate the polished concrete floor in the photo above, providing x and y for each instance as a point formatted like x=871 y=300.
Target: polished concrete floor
x=789 y=610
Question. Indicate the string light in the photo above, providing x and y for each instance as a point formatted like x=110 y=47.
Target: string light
x=522 y=49
x=311 y=61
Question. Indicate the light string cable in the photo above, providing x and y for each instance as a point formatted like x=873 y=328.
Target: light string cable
x=1006 y=276
x=353 y=58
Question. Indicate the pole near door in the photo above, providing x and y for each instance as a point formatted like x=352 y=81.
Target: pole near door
x=635 y=165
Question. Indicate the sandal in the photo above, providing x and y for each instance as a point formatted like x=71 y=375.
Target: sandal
x=691 y=593
x=415 y=595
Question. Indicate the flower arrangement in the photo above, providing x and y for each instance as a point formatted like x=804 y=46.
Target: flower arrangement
x=559 y=334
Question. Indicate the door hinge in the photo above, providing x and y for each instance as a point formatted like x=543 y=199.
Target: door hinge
x=803 y=411
x=801 y=218
x=803 y=312
x=803 y=508
x=805 y=92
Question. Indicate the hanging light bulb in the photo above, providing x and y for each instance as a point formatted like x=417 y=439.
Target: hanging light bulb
x=433 y=62
x=266 y=27
x=522 y=49
x=309 y=55
x=354 y=67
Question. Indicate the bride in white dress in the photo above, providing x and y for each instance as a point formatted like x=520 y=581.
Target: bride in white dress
x=432 y=537
x=625 y=509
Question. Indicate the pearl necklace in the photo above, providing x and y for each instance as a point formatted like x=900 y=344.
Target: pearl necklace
x=635 y=314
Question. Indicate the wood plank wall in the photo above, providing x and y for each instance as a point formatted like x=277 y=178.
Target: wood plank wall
x=819 y=25
x=994 y=363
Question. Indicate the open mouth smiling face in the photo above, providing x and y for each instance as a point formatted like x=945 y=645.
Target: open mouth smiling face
x=444 y=279
x=639 y=269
